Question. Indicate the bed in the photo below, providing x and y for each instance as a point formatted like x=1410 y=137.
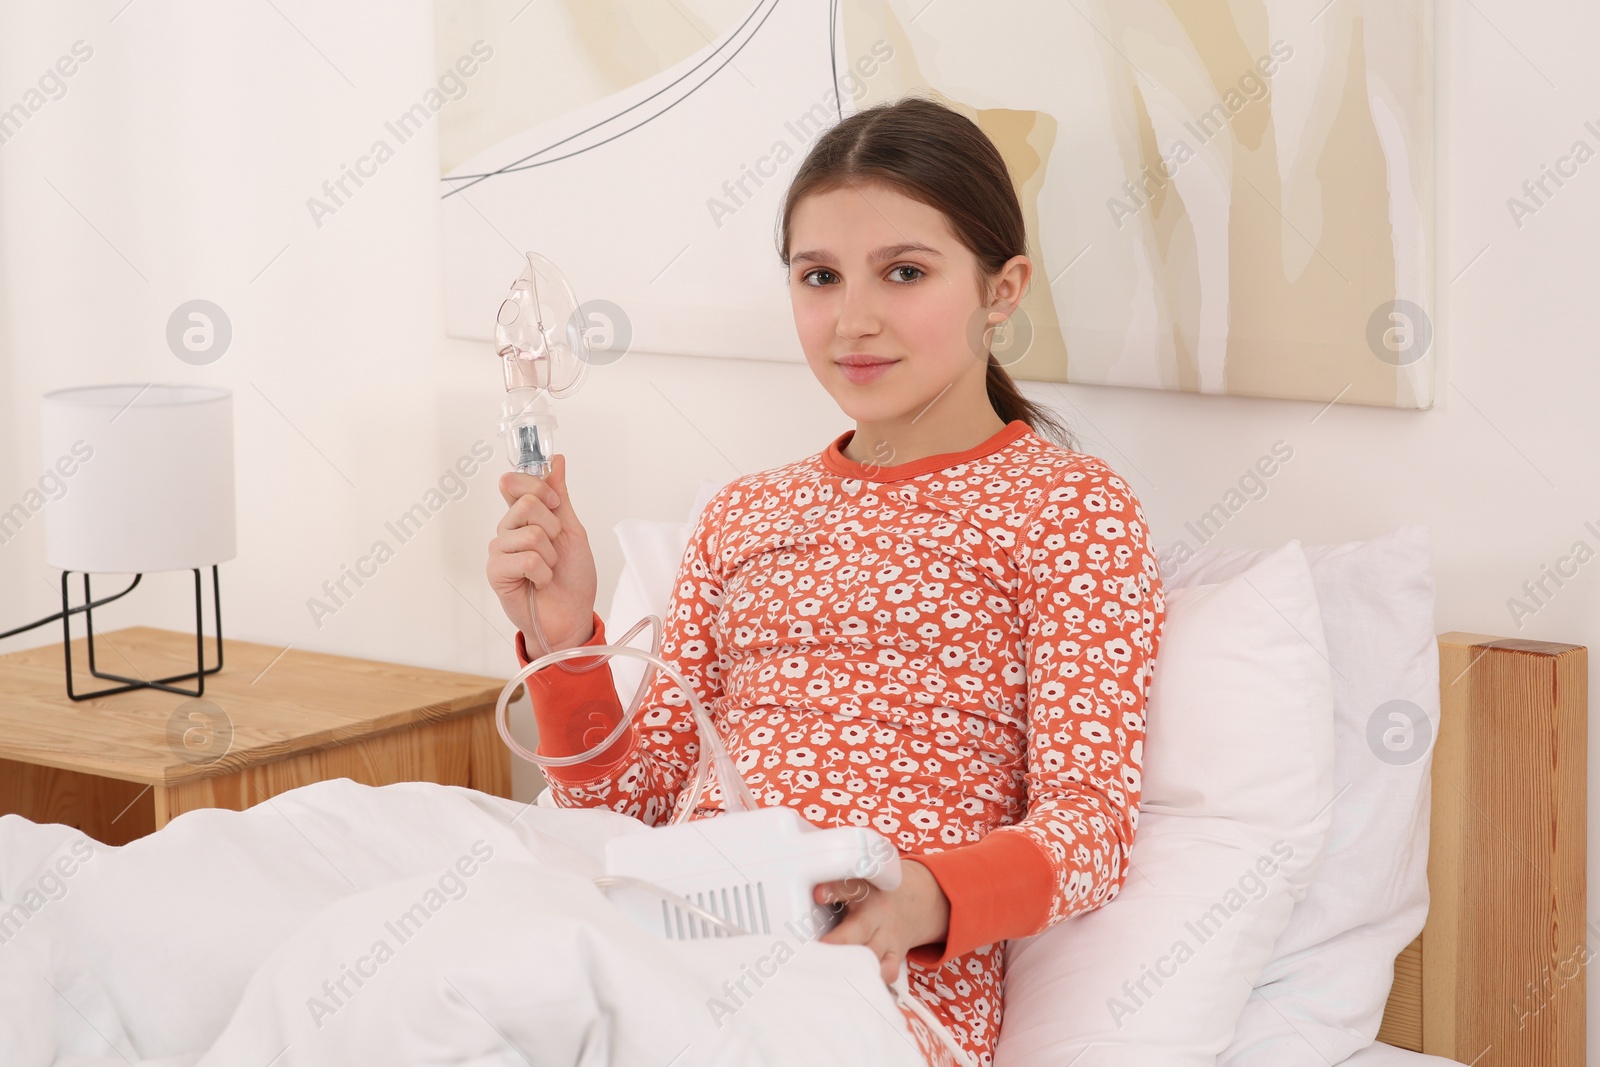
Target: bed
x=1506 y=867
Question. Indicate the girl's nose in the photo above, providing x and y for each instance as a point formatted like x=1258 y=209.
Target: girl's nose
x=859 y=314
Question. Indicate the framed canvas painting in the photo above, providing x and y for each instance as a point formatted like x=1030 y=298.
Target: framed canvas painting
x=1220 y=197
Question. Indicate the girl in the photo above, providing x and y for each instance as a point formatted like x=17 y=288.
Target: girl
x=942 y=626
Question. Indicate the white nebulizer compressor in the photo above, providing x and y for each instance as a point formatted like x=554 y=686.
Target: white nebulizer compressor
x=749 y=870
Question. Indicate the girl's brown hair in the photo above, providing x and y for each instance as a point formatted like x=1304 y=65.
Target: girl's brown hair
x=936 y=155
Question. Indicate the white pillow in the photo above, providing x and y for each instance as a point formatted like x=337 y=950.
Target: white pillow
x=652 y=549
x=1321 y=998
x=1380 y=1055
x=1238 y=784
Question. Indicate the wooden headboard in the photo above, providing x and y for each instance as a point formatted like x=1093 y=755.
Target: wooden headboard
x=1496 y=978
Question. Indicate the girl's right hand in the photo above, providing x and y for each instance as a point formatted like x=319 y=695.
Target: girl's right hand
x=540 y=560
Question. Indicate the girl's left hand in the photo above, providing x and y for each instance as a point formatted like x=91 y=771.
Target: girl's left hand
x=890 y=922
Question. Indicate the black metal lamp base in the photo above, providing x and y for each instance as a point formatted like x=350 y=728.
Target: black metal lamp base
x=198 y=674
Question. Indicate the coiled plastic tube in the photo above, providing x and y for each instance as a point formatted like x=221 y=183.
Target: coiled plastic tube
x=713 y=753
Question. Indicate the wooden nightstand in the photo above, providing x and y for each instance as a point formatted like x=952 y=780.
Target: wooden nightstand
x=119 y=767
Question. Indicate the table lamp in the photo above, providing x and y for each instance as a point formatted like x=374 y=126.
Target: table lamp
x=152 y=491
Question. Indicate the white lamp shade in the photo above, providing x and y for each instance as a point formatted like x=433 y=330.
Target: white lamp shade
x=150 y=486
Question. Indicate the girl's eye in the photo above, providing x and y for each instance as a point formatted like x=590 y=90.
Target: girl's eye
x=808 y=275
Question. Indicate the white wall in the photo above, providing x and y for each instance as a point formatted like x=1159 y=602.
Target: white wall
x=177 y=166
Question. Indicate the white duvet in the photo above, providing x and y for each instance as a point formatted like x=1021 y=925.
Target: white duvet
x=412 y=924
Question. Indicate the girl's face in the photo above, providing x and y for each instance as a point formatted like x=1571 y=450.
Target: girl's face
x=875 y=274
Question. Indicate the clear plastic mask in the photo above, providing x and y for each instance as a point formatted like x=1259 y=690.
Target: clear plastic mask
x=540 y=337
x=539 y=333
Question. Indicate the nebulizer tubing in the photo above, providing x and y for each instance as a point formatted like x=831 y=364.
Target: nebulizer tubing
x=713 y=754
x=541 y=339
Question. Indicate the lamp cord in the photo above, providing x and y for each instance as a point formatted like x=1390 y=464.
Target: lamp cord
x=72 y=611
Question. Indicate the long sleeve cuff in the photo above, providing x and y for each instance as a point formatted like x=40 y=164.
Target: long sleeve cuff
x=575 y=710
x=1000 y=887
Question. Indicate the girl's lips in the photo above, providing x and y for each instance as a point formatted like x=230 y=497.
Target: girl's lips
x=862 y=374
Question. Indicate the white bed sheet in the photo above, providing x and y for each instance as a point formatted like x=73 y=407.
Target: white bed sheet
x=416 y=923
x=208 y=943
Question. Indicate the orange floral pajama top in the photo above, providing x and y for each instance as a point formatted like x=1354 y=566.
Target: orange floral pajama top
x=954 y=652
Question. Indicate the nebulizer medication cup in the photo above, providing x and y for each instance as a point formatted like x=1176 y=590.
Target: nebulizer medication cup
x=544 y=352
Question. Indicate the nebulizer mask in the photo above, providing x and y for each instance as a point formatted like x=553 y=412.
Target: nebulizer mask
x=544 y=352
x=750 y=870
